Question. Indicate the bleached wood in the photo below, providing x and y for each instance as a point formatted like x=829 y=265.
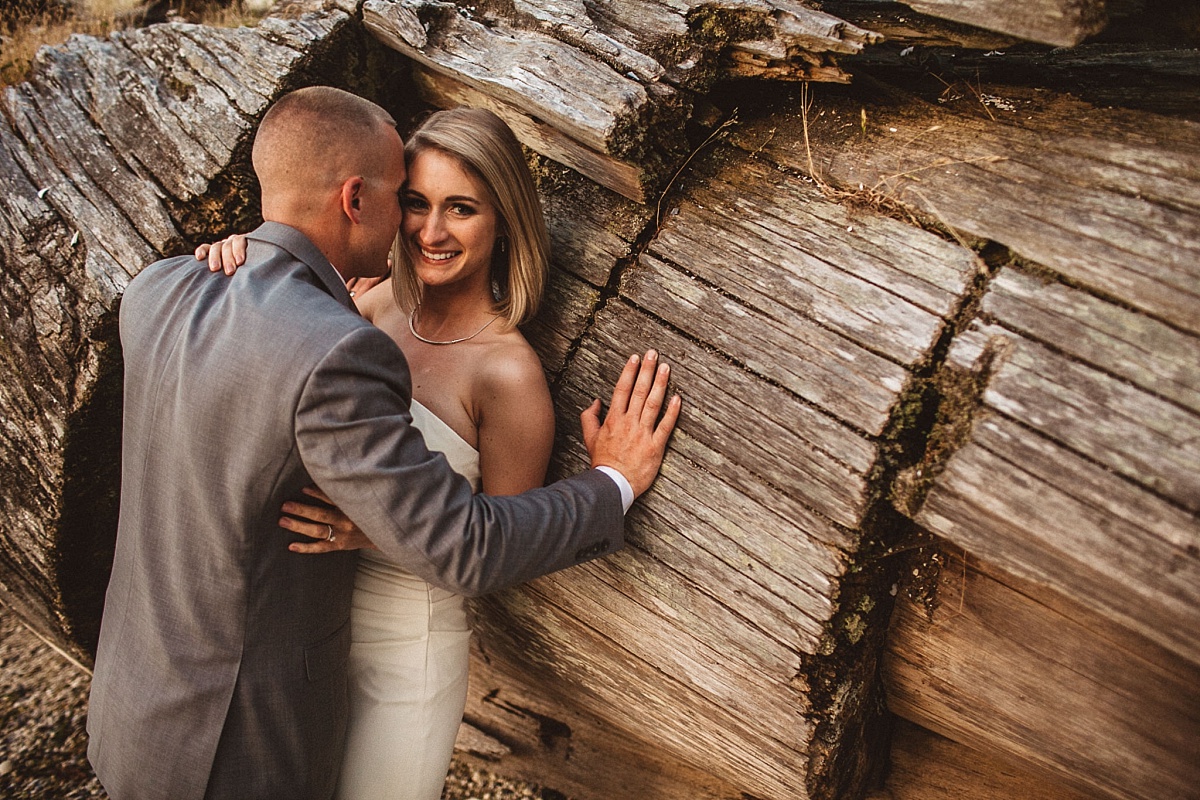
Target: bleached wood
x=546 y=79
x=777 y=242
x=1038 y=510
x=1107 y=336
x=804 y=453
x=1109 y=199
x=623 y=177
x=1150 y=441
x=834 y=305
x=1009 y=668
x=1060 y=22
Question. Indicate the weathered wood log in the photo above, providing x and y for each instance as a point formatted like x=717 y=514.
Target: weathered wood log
x=113 y=154
x=1060 y=22
x=1104 y=197
x=1072 y=418
x=1007 y=666
x=926 y=766
x=607 y=96
x=884 y=314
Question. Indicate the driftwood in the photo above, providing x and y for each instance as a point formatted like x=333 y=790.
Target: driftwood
x=953 y=332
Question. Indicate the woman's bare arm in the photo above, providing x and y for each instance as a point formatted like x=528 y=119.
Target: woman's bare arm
x=516 y=422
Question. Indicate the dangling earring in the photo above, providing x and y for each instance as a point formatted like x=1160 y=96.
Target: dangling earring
x=502 y=244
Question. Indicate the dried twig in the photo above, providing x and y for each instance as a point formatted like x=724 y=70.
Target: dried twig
x=732 y=120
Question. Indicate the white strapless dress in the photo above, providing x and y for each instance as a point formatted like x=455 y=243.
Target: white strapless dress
x=408 y=664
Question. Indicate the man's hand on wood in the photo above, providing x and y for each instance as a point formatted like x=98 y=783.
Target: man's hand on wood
x=632 y=439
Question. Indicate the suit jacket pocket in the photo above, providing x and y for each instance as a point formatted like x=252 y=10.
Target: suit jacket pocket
x=329 y=655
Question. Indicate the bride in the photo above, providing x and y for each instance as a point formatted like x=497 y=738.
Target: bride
x=468 y=267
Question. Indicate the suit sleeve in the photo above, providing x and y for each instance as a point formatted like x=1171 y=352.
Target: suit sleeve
x=356 y=439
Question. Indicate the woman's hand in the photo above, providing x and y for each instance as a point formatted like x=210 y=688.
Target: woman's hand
x=224 y=256
x=360 y=286
x=332 y=529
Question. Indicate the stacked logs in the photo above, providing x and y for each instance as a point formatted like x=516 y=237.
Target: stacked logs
x=933 y=501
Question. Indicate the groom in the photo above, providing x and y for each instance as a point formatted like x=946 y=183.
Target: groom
x=221 y=670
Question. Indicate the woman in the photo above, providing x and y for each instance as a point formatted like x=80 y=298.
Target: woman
x=468 y=267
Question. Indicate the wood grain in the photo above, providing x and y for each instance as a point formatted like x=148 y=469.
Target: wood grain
x=1003 y=671
x=1059 y=22
x=1023 y=503
x=1108 y=199
x=927 y=766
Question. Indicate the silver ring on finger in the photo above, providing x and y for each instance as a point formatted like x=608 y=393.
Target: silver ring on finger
x=332 y=537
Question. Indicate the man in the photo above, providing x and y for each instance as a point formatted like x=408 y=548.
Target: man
x=221 y=666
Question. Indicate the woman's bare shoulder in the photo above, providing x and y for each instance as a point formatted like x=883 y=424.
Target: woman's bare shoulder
x=509 y=363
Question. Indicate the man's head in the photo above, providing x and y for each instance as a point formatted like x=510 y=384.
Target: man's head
x=331 y=165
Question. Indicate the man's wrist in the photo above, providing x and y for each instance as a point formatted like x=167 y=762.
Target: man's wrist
x=622 y=484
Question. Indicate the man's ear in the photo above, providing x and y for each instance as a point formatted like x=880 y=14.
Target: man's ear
x=352 y=191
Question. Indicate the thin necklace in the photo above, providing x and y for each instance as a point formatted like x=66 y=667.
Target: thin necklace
x=413 y=328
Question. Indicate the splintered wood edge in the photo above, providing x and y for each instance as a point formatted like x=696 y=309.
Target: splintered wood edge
x=624 y=178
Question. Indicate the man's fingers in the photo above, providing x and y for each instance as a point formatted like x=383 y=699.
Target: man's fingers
x=318 y=515
x=315 y=491
x=645 y=380
x=621 y=392
x=589 y=421
x=662 y=432
x=655 y=397
x=312 y=548
x=201 y=252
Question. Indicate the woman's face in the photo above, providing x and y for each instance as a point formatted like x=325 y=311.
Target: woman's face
x=450 y=223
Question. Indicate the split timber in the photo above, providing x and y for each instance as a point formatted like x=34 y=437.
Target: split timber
x=934 y=495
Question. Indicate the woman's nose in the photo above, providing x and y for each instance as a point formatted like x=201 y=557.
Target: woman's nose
x=433 y=230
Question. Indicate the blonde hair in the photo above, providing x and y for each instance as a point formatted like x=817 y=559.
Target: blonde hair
x=485 y=146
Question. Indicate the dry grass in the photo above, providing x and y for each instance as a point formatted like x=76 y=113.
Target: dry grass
x=28 y=25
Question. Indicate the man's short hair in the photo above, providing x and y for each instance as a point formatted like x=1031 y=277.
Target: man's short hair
x=313 y=129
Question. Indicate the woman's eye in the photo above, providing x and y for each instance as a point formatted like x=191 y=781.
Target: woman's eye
x=413 y=204
x=462 y=210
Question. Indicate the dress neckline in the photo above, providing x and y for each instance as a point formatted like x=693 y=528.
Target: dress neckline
x=445 y=425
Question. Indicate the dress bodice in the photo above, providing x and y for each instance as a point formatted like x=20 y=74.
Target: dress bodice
x=441 y=438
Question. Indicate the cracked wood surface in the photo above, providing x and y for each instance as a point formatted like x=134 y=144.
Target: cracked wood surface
x=1108 y=712
x=733 y=645
x=1077 y=471
x=1109 y=199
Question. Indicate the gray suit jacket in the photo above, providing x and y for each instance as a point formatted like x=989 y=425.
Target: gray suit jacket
x=221 y=669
